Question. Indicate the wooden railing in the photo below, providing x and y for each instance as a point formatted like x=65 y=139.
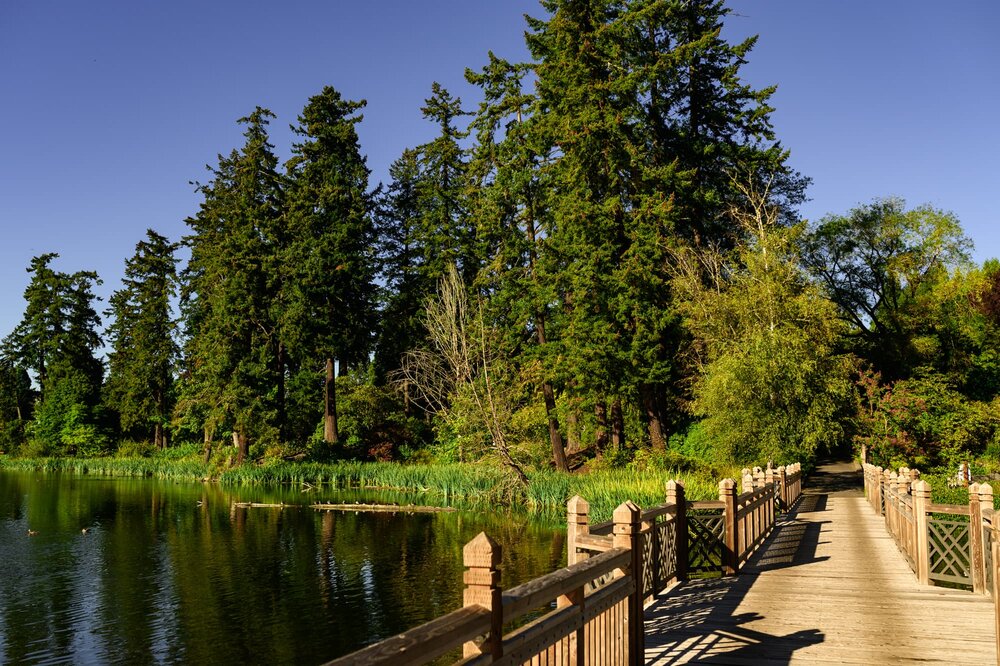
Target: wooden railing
x=591 y=611
x=953 y=544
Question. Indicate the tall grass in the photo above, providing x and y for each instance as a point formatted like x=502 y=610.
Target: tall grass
x=469 y=485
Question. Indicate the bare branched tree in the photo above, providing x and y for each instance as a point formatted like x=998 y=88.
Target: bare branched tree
x=463 y=356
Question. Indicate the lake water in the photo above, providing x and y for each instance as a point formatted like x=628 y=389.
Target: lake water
x=171 y=573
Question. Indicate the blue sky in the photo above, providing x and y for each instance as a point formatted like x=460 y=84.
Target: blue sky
x=110 y=108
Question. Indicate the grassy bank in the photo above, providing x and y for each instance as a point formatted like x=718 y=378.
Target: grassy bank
x=475 y=486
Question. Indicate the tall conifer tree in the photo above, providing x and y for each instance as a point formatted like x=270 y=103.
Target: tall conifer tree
x=330 y=311
x=232 y=359
x=142 y=338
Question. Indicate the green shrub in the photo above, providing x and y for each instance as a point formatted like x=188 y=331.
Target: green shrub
x=133 y=449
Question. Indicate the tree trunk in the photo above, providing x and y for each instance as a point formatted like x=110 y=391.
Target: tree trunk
x=242 y=446
x=280 y=361
x=617 y=424
x=330 y=434
x=158 y=427
x=653 y=421
x=555 y=439
x=573 y=431
x=208 y=445
x=601 y=431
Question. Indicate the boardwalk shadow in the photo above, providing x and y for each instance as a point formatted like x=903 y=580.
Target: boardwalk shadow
x=697 y=622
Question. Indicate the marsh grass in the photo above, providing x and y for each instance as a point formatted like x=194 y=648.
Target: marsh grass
x=473 y=486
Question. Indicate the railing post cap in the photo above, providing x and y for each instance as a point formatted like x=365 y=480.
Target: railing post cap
x=674 y=484
x=922 y=487
x=781 y=469
x=973 y=489
x=985 y=490
x=481 y=552
x=578 y=505
x=727 y=484
x=627 y=512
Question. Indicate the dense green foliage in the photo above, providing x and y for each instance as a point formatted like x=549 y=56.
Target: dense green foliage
x=142 y=337
x=601 y=263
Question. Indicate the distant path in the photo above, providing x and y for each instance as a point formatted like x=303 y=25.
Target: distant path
x=829 y=587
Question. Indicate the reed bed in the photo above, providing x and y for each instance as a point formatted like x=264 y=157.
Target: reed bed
x=465 y=485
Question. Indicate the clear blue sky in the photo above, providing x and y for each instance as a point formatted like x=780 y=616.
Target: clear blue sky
x=109 y=108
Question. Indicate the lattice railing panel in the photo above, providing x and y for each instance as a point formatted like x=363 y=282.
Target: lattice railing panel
x=659 y=555
x=668 y=549
x=647 y=559
x=706 y=540
x=948 y=543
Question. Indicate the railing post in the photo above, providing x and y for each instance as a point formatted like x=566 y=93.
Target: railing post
x=730 y=557
x=783 y=487
x=878 y=490
x=482 y=586
x=996 y=588
x=770 y=481
x=627 y=535
x=649 y=526
x=921 y=498
x=760 y=513
x=675 y=496
x=976 y=559
x=746 y=532
x=577 y=525
x=887 y=497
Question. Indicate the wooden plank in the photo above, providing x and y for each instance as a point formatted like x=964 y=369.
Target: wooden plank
x=953 y=509
x=706 y=504
x=657 y=511
x=424 y=643
x=593 y=543
x=542 y=591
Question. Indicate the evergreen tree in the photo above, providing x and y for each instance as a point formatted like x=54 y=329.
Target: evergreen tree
x=399 y=255
x=512 y=218
x=57 y=340
x=700 y=119
x=330 y=310
x=424 y=229
x=233 y=369
x=16 y=400
x=144 y=351
x=444 y=232
x=586 y=114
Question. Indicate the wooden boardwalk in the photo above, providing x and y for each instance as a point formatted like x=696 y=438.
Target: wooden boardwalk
x=828 y=587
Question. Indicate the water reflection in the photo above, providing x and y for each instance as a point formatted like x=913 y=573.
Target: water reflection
x=174 y=573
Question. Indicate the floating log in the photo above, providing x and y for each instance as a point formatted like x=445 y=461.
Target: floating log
x=409 y=508
x=259 y=505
